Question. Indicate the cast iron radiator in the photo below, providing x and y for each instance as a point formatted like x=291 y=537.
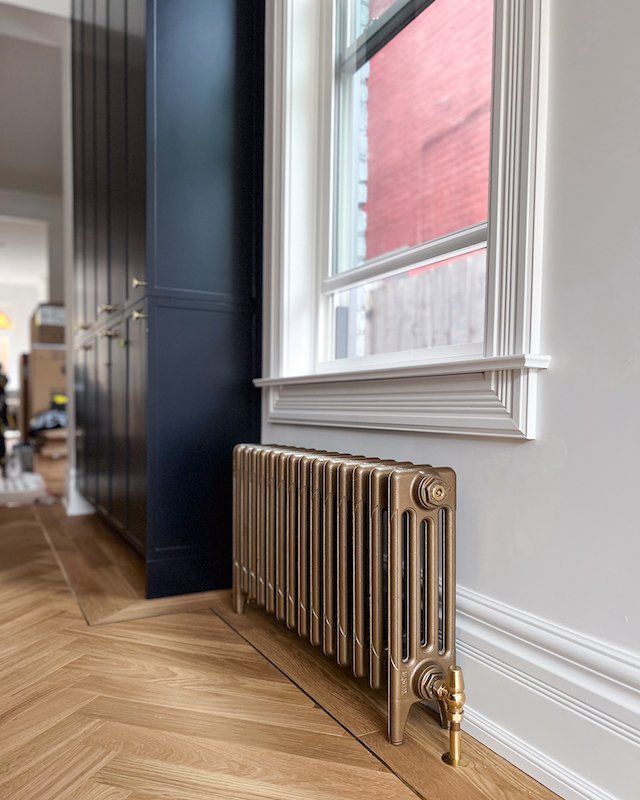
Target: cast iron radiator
x=358 y=556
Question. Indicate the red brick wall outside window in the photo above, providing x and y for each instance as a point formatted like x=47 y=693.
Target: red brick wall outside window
x=428 y=126
x=422 y=172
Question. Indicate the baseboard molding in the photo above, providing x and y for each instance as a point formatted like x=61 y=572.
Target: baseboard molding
x=559 y=704
x=74 y=503
x=548 y=771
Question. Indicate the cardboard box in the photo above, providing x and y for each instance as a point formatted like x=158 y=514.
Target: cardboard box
x=53 y=435
x=52 y=444
x=46 y=376
x=47 y=324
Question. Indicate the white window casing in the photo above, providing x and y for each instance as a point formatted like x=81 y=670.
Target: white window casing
x=490 y=393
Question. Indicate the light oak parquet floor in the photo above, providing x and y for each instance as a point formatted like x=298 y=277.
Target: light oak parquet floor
x=181 y=698
x=106 y=575
x=175 y=707
x=362 y=712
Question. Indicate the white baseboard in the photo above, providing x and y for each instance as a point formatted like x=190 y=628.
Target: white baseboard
x=562 y=706
x=548 y=771
x=74 y=502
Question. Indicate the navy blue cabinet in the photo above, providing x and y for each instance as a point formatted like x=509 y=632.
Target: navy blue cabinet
x=168 y=209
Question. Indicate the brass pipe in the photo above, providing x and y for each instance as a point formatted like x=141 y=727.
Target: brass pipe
x=449 y=692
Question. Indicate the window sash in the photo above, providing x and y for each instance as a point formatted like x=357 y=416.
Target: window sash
x=343 y=271
x=380 y=32
x=454 y=244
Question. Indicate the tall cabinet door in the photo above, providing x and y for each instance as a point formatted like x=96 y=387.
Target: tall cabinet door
x=90 y=421
x=103 y=419
x=117 y=152
x=80 y=396
x=119 y=453
x=103 y=298
x=137 y=427
x=89 y=159
x=78 y=167
x=136 y=51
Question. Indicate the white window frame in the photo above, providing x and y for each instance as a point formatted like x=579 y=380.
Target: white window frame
x=491 y=394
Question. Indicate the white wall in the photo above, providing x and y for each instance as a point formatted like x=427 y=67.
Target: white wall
x=18 y=302
x=48 y=209
x=24 y=268
x=549 y=539
x=60 y=8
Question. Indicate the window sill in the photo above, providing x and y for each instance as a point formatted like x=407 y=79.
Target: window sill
x=486 y=396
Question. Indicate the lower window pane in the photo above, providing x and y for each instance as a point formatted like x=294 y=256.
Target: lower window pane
x=432 y=306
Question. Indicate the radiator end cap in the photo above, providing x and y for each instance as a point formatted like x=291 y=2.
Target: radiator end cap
x=431 y=491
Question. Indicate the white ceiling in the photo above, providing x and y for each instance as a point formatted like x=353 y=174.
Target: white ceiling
x=24 y=253
x=31 y=98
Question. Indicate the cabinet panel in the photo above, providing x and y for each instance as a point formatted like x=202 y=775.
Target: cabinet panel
x=209 y=350
x=102 y=424
x=80 y=397
x=137 y=429
x=91 y=421
x=78 y=167
x=136 y=146
x=89 y=159
x=117 y=153
x=194 y=147
x=158 y=417
x=102 y=155
x=118 y=427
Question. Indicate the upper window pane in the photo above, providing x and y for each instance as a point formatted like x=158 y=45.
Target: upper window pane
x=415 y=130
x=368 y=10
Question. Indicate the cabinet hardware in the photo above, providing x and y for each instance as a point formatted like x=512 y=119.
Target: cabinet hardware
x=106 y=308
x=110 y=333
x=136 y=282
x=138 y=315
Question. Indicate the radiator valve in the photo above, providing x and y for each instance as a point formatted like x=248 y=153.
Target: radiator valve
x=449 y=692
x=431 y=491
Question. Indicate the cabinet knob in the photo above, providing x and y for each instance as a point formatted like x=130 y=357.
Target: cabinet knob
x=106 y=308
x=138 y=315
x=109 y=333
x=136 y=282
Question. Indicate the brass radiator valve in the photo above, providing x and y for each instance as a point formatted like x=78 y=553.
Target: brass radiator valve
x=449 y=692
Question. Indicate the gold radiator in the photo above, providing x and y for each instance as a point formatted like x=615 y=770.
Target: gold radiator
x=358 y=556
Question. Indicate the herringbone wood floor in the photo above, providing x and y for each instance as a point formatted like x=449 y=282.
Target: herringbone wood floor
x=177 y=706
x=167 y=699
x=106 y=575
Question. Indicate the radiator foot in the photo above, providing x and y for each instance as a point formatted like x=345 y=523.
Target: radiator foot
x=450 y=692
x=398 y=712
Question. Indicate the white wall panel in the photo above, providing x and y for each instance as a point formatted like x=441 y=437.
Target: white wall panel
x=550 y=527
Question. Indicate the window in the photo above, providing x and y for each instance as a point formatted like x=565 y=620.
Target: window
x=404 y=167
x=413 y=122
